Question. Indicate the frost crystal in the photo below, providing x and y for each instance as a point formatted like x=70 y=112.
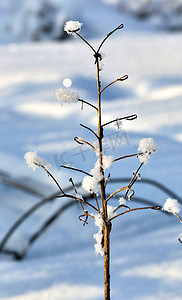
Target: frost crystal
x=72 y=26
x=65 y=95
x=122 y=201
x=147 y=146
x=99 y=235
x=34 y=161
x=172 y=206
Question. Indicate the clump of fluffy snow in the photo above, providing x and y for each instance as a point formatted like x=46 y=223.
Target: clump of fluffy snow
x=107 y=161
x=72 y=26
x=90 y=184
x=99 y=235
x=65 y=95
x=172 y=206
x=147 y=146
x=35 y=161
x=110 y=211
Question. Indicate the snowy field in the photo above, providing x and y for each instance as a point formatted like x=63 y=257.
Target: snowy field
x=146 y=256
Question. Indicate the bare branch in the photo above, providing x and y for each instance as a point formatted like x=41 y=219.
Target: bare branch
x=82 y=200
x=85 y=41
x=126 y=156
x=88 y=103
x=81 y=142
x=49 y=174
x=90 y=130
x=128 y=118
x=178 y=217
x=156 y=207
x=119 y=190
x=75 y=169
x=122 y=78
x=108 y=35
x=107 y=179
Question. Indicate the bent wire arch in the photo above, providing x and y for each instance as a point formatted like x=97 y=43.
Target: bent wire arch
x=18 y=256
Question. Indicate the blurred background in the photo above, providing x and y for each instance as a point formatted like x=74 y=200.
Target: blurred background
x=33 y=20
x=36 y=58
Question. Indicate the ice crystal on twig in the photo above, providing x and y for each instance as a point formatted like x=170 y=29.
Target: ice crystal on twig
x=34 y=161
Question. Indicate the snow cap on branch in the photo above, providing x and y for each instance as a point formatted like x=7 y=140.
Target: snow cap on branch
x=72 y=26
x=172 y=206
x=99 y=235
x=147 y=146
x=110 y=211
x=65 y=95
x=34 y=161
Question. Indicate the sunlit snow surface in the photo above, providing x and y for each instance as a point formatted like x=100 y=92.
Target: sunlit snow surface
x=146 y=256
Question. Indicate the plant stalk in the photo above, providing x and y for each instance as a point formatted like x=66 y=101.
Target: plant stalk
x=106 y=225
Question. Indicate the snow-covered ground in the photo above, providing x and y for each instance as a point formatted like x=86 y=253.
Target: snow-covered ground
x=146 y=256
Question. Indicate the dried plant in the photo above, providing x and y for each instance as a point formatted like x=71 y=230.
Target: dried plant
x=95 y=181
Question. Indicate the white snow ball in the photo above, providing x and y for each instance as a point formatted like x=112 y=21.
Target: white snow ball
x=67 y=82
x=172 y=206
x=147 y=145
x=72 y=26
x=34 y=161
x=65 y=95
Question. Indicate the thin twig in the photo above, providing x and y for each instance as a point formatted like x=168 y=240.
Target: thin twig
x=81 y=142
x=178 y=217
x=74 y=187
x=119 y=206
x=88 y=103
x=122 y=78
x=82 y=200
x=133 y=179
x=108 y=35
x=156 y=207
x=127 y=156
x=119 y=190
x=128 y=118
x=49 y=174
x=107 y=179
x=85 y=41
x=84 y=126
x=75 y=169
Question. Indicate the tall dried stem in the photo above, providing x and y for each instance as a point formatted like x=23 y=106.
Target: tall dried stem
x=106 y=225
